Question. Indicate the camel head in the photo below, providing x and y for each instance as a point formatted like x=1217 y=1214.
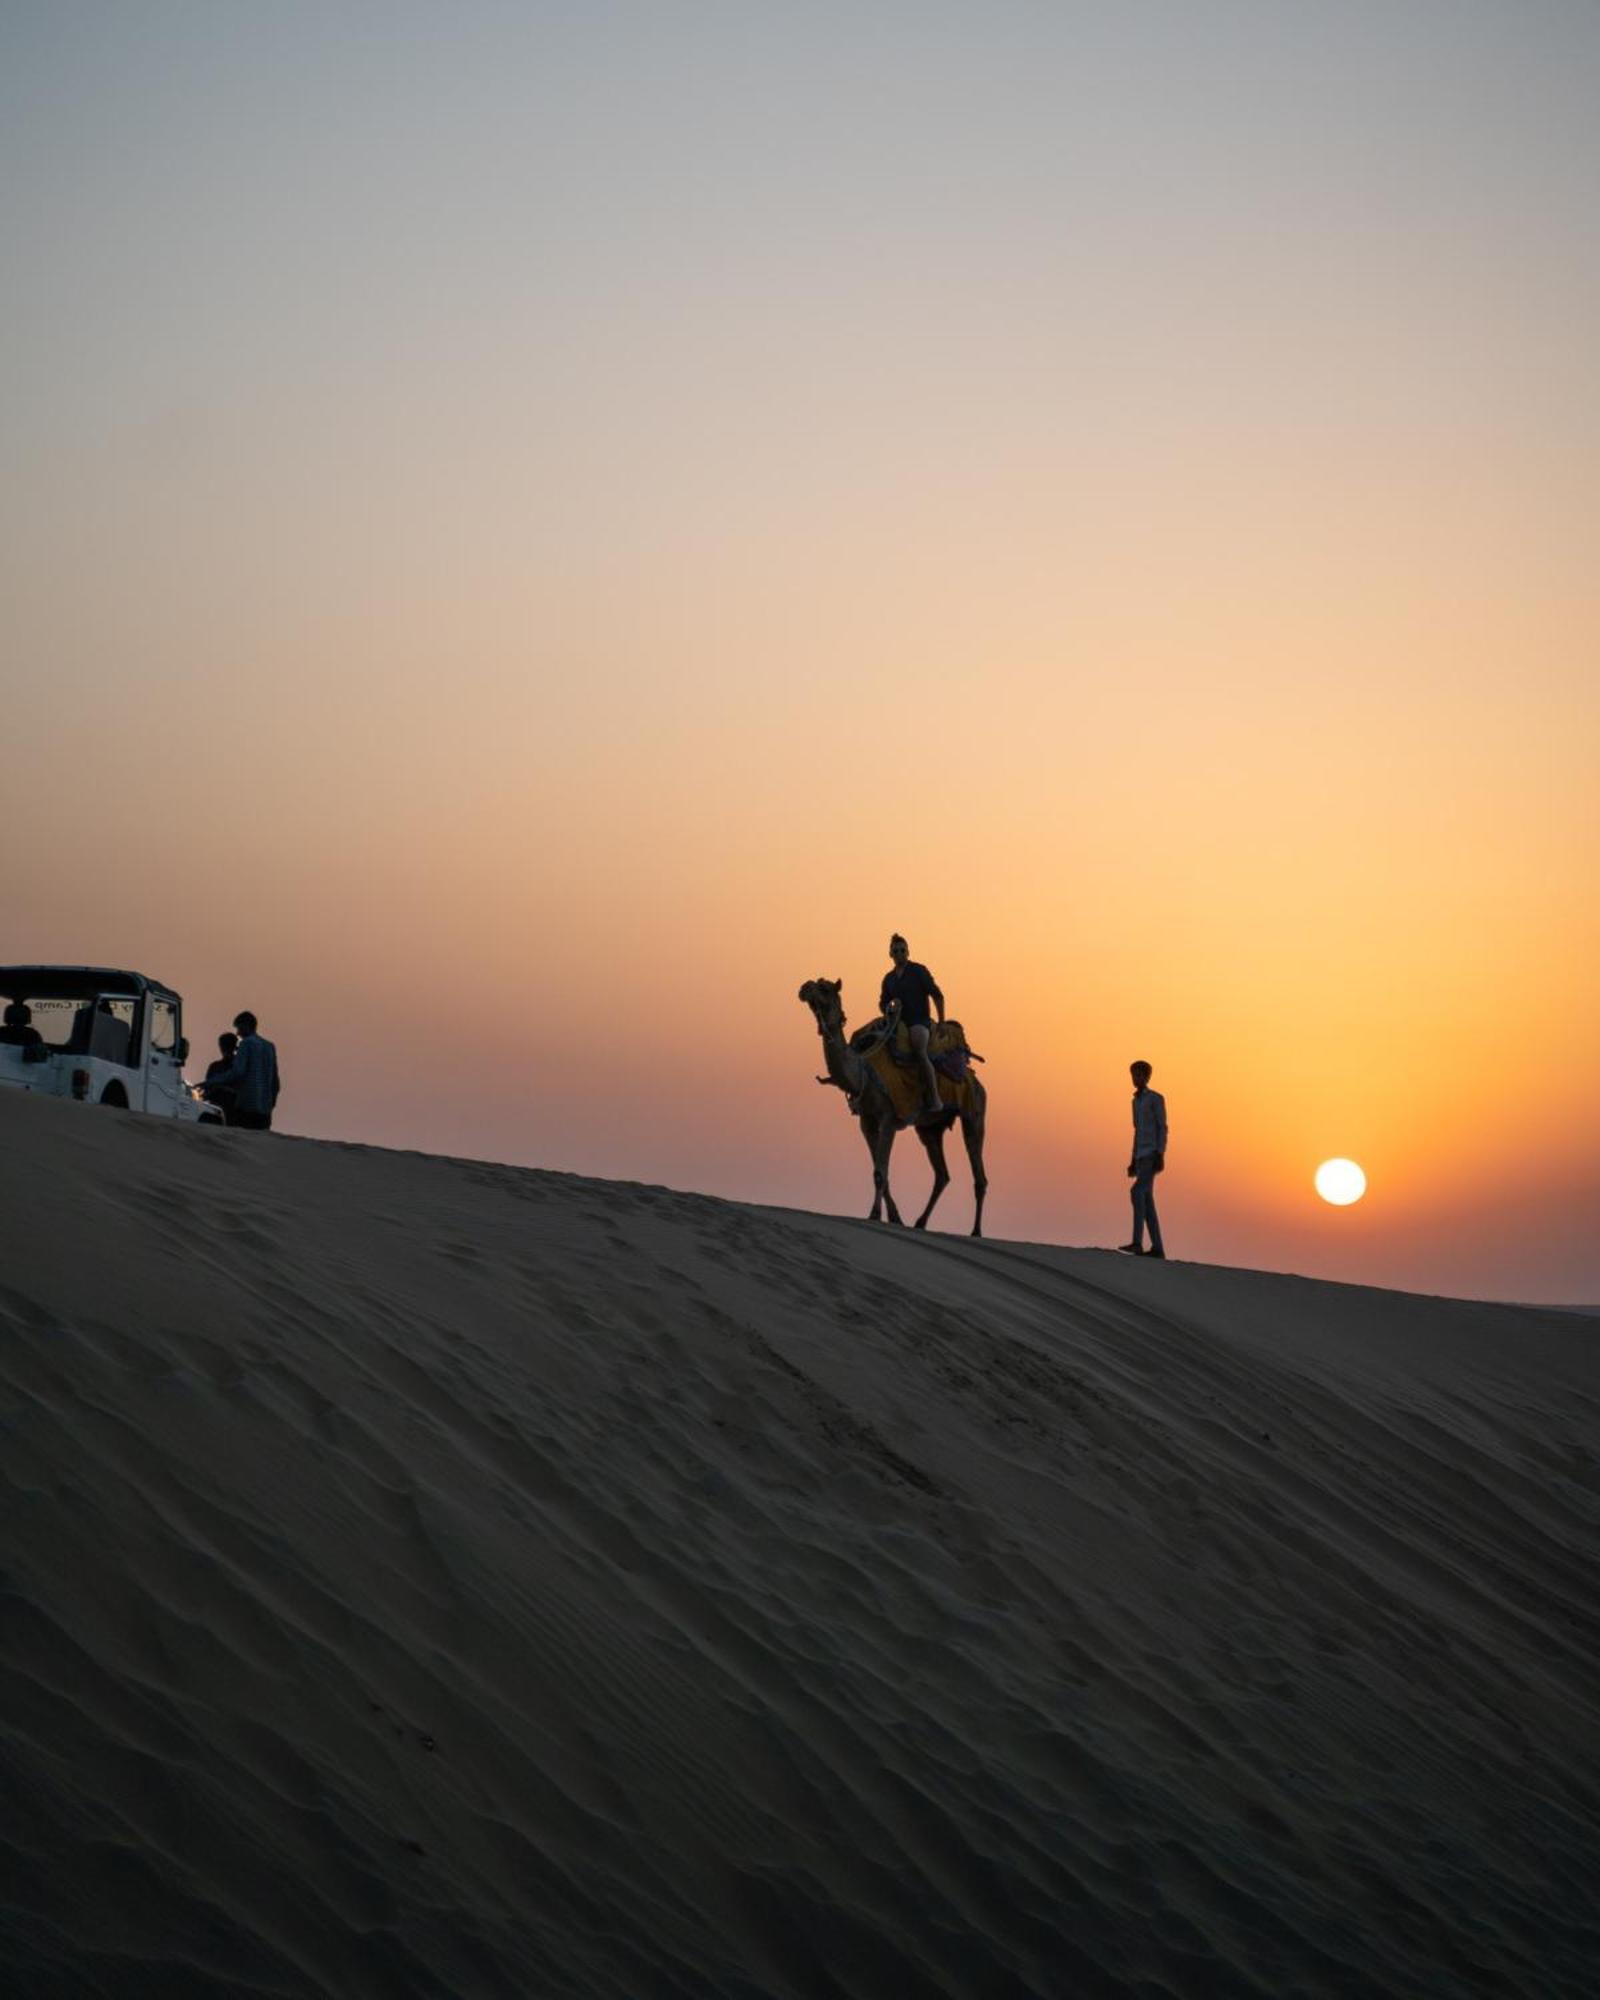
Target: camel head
x=822 y=997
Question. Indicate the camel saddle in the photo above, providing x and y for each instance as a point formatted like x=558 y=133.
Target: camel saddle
x=901 y=1074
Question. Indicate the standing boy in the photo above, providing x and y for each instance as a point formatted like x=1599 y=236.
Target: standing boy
x=1149 y=1159
x=218 y=1093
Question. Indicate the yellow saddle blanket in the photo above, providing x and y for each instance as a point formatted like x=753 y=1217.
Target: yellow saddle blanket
x=903 y=1079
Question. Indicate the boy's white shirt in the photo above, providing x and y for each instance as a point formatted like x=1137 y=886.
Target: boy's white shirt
x=1149 y=1123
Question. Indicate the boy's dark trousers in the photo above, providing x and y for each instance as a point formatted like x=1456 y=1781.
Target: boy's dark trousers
x=1143 y=1195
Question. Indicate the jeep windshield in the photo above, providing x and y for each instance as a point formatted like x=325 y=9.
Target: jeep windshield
x=74 y=1014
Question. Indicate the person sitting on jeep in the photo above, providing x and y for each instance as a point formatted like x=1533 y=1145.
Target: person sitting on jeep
x=19 y=1031
x=904 y=996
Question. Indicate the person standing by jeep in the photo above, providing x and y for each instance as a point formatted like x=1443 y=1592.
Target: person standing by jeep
x=218 y=1093
x=252 y=1076
x=1149 y=1159
x=908 y=988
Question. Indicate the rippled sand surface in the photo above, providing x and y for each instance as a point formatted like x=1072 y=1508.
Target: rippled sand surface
x=427 y=1578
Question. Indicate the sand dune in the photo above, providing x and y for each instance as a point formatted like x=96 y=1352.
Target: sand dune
x=429 y=1578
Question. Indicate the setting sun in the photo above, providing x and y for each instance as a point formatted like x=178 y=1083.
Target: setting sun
x=1341 y=1182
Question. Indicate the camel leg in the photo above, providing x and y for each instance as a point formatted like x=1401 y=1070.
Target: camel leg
x=882 y=1147
x=972 y=1133
x=933 y=1145
x=869 y=1132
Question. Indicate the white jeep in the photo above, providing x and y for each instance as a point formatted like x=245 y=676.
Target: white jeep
x=105 y=1037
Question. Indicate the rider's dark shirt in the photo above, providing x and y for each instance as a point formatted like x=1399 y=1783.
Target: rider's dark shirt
x=913 y=986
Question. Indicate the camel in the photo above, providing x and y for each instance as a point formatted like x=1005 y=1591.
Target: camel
x=850 y=1069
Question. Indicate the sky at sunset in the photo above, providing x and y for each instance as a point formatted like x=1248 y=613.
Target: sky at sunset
x=531 y=530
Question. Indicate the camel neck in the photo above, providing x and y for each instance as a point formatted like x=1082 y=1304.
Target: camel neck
x=844 y=1065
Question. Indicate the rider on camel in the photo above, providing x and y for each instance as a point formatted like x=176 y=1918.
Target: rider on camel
x=904 y=997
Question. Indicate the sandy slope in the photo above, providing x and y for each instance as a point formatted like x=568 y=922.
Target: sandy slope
x=427 y=1578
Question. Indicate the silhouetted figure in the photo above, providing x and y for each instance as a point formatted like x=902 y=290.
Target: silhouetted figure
x=904 y=995
x=111 y=1032
x=19 y=1031
x=252 y=1076
x=1149 y=1159
x=221 y=1094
